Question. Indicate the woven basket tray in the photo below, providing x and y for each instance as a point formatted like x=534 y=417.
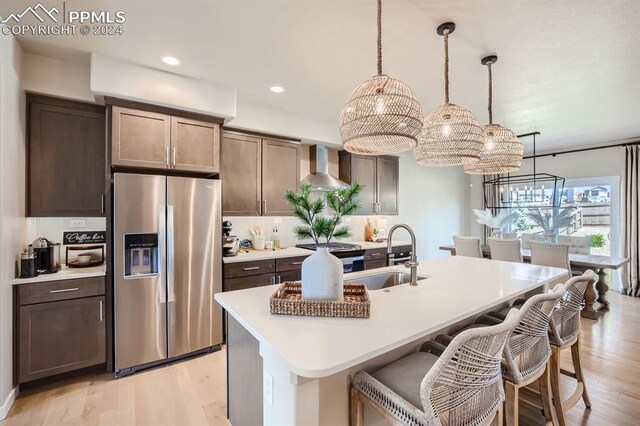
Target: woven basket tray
x=287 y=300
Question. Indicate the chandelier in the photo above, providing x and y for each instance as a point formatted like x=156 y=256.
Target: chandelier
x=381 y=116
x=502 y=151
x=451 y=135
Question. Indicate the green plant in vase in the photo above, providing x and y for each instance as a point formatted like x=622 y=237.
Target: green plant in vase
x=317 y=225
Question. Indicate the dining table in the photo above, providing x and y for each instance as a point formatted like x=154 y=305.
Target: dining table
x=595 y=297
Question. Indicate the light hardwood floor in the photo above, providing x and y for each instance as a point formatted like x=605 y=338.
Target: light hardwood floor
x=193 y=392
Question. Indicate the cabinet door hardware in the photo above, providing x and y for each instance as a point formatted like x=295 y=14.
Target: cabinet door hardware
x=173 y=156
x=251 y=268
x=166 y=156
x=102 y=204
x=64 y=290
x=101 y=316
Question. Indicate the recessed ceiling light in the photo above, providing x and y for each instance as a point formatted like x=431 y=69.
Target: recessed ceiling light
x=170 y=60
x=277 y=89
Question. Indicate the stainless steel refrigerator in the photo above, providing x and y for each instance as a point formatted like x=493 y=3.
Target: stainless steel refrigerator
x=167 y=266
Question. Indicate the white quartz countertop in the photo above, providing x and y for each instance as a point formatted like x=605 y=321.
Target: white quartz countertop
x=65 y=273
x=251 y=255
x=457 y=288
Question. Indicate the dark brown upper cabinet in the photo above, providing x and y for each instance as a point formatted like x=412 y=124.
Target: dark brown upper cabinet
x=241 y=174
x=280 y=172
x=255 y=174
x=65 y=158
x=195 y=145
x=157 y=140
x=140 y=138
x=380 y=177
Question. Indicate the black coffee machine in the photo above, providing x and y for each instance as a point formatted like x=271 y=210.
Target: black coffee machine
x=229 y=241
x=47 y=256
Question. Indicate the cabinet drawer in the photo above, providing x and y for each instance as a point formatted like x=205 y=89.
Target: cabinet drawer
x=242 y=283
x=246 y=269
x=290 y=263
x=288 y=276
x=375 y=264
x=380 y=253
x=60 y=290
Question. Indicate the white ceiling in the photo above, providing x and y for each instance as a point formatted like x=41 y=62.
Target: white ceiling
x=567 y=68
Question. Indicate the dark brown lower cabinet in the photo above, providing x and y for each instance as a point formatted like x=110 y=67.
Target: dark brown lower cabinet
x=374 y=264
x=59 y=336
x=241 y=283
x=288 y=276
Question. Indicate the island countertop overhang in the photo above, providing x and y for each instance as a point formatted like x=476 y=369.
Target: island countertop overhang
x=457 y=288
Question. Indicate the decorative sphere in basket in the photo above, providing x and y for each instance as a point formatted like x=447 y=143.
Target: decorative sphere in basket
x=322 y=272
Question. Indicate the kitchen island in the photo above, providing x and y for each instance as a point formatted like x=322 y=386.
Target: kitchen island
x=287 y=370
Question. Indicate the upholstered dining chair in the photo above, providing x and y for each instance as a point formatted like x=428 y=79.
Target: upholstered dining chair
x=458 y=385
x=551 y=254
x=526 y=355
x=527 y=237
x=467 y=246
x=581 y=245
x=507 y=250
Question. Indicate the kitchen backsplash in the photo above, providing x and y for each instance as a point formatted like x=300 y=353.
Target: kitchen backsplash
x=52 y=228
x=241 y=226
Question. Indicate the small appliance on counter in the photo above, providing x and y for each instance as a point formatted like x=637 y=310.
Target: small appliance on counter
x=229 y=242
x=28 y=267
x=47 y=256
x=89 y=255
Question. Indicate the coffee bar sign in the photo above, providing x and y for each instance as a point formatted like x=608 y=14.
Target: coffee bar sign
x=86 y=237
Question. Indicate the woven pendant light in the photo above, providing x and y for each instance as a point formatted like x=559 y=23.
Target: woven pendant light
x=502 y=151
x=382 y=116
x=451 y=135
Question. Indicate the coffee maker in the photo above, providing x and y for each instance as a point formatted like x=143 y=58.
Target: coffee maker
x=229 y=241
x=47 y=255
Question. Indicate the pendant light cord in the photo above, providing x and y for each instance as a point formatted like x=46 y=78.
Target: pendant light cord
x=490 y=94
x=446 y=66
x=379 y=37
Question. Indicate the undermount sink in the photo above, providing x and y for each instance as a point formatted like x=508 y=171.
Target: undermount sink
x=384 y=279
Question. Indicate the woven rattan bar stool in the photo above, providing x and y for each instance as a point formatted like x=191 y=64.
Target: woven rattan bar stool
x=457 y=385
x=526 y=355
x=564 y=333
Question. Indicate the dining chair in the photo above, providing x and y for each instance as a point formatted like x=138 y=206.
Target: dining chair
x=551 y=254
x=505 y=249
x=509 y=235
x=525 y=359
x=467 y=246
x=581 y=245
x=527 y=237
x=457 y=385
x=564 y=333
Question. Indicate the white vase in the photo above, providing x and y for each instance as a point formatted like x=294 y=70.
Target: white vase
x=322 y=275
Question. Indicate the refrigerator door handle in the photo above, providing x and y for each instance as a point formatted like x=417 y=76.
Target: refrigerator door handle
x=162 y=235
x=170 y=255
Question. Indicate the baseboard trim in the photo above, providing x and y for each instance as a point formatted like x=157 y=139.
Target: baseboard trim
x=8 y=402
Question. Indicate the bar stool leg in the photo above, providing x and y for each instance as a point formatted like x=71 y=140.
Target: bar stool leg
x=577 y=367
x=511 y=405
x=544 y=383
x=555 y=385
x=357 y=409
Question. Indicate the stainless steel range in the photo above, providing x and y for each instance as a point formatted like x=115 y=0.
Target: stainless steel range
x=351 y=255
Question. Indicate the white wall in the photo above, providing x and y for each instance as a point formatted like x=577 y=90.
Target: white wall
x=124 y=80
x=432 y=202
x=12 y=196
x=54 y=77
x=253 y=116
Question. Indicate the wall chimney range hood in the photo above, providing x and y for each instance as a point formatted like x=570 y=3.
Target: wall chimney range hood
x=319 y=178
